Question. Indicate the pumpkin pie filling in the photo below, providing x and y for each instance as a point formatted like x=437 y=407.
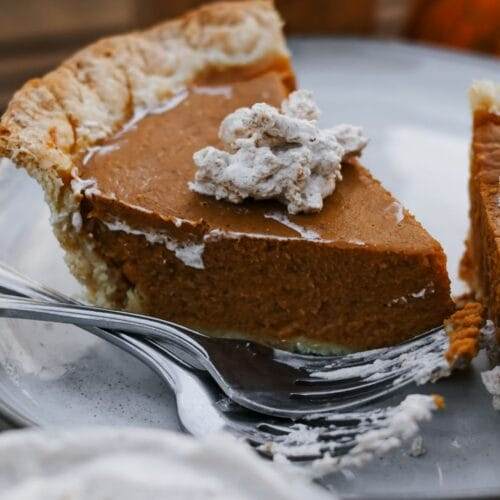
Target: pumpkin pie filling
x=361 y=273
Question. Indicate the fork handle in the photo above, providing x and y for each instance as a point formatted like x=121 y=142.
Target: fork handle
x=87 y=316
x=14 y=283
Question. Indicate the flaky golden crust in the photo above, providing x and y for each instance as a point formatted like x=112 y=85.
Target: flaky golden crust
x=51 y=121
x=463 y=328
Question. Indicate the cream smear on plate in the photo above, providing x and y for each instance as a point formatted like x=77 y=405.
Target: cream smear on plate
x=491 y=380
x=380 y=430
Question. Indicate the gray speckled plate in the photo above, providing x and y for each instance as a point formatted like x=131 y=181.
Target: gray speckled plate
x=412 y=102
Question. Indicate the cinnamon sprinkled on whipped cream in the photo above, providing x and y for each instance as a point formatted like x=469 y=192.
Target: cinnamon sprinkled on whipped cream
x=277 y=154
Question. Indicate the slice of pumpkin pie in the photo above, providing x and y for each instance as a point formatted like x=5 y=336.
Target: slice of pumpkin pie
x=111 y=134
x=480 y=266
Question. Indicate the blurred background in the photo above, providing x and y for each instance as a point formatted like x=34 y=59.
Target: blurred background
x=36 y=34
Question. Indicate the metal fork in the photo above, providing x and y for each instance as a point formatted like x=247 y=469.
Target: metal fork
x=331 y=441
x=266 y=380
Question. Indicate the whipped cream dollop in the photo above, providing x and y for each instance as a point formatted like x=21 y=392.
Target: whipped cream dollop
x=134 y=464
x=277 y=154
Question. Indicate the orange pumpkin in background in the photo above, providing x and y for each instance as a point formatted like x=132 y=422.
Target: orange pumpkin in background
x=467 y=24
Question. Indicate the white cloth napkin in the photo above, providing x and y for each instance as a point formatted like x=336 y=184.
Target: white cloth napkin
x=134 y=464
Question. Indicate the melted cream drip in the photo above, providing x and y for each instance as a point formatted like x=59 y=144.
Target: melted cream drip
x=219 y=234
x=307 y=234
x=163 y=107
x=139 y=114
x=224 y=90
x=99 y=150
x=189 y=253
